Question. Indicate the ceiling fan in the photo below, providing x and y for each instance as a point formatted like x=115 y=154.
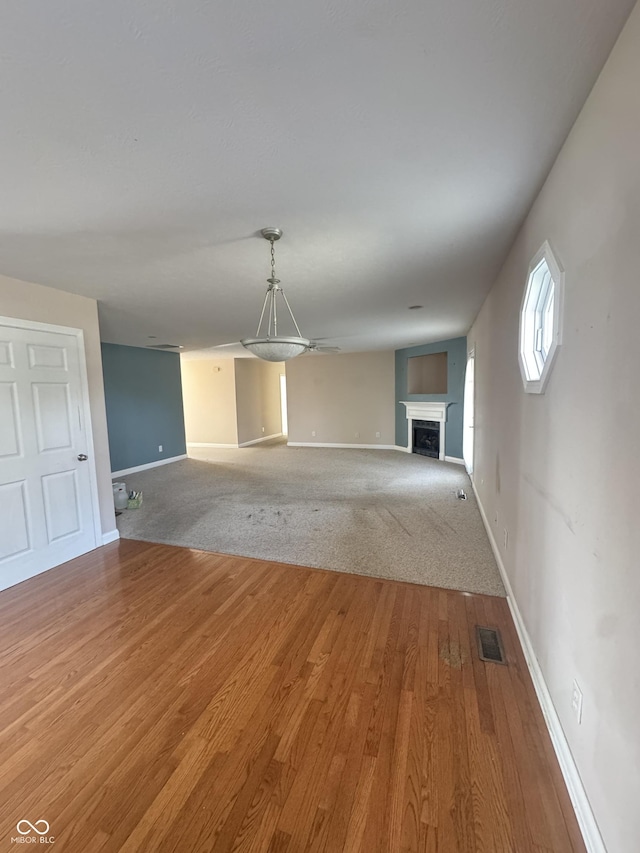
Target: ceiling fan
x=314 y=346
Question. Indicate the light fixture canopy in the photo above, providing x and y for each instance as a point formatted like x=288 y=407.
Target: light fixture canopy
x=267 y=344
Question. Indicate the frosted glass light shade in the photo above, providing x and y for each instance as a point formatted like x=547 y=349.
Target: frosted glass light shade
x=276 y=349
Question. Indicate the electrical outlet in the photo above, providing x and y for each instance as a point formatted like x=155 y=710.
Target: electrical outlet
x=506 y=538
x=263 y=429
x=313 y=433
x=377 y=435
x=576 y=701
x=357 y=435
x=159 y=448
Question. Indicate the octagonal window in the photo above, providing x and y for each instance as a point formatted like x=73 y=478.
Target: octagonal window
x=540 y=320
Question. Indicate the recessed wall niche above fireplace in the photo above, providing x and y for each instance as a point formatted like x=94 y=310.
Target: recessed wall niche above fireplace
x=427 y=424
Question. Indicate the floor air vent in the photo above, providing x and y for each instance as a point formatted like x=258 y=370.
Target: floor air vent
x=490 y=645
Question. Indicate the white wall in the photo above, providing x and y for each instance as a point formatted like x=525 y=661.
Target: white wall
x=26 y=301
x=337 y=396
x=561 y=471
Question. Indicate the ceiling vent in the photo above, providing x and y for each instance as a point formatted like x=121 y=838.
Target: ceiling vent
x=163 y=346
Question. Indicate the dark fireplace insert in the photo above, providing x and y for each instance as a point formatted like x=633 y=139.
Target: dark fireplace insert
x=426 y=438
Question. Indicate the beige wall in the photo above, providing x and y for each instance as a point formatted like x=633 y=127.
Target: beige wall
x=338 y=396
x=560 y=471
x=25 y=301
x=258 y=398
x=209 y=396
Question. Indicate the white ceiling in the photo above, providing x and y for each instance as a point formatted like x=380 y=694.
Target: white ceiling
x=398 y=145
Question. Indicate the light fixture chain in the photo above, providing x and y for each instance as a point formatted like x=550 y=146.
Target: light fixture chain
x=273 y=261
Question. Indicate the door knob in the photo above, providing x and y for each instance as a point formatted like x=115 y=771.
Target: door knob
x=82 y=457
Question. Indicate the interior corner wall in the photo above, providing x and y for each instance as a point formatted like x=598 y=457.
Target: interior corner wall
x=26 y=301
x=559 y=471
x=258 y=398
x=143 y=394
x=209 y=394
x=337 y=396
x=456 y=349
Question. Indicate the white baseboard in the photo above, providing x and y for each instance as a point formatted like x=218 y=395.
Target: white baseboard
x=137 y=468
x=341 y=446
x=259 y=440
x=584 y=814
x=365 y=447
x=234 y=446
x=110 y=536
x=209 y=444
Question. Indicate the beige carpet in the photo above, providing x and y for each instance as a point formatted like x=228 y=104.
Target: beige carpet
x=372 y=512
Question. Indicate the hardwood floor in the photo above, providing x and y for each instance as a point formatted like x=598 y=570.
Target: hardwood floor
x=154 y=698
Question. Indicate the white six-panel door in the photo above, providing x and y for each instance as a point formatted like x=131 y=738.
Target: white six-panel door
x=47 y=496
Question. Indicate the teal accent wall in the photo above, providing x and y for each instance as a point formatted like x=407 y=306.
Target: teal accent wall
x=143 y=394
x=456 y=349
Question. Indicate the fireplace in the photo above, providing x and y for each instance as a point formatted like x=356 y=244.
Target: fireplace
x=426 y=438
x=426 y=425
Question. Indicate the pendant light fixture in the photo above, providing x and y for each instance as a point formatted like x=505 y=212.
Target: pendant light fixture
x=268 y=344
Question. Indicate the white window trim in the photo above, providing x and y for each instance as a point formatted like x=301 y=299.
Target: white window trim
x=537 y=386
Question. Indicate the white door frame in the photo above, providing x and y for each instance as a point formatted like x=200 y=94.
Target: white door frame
x=471 y=356
x=86 y=409
x=284 y=411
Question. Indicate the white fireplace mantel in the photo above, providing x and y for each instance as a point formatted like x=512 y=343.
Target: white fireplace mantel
x=426 y=412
